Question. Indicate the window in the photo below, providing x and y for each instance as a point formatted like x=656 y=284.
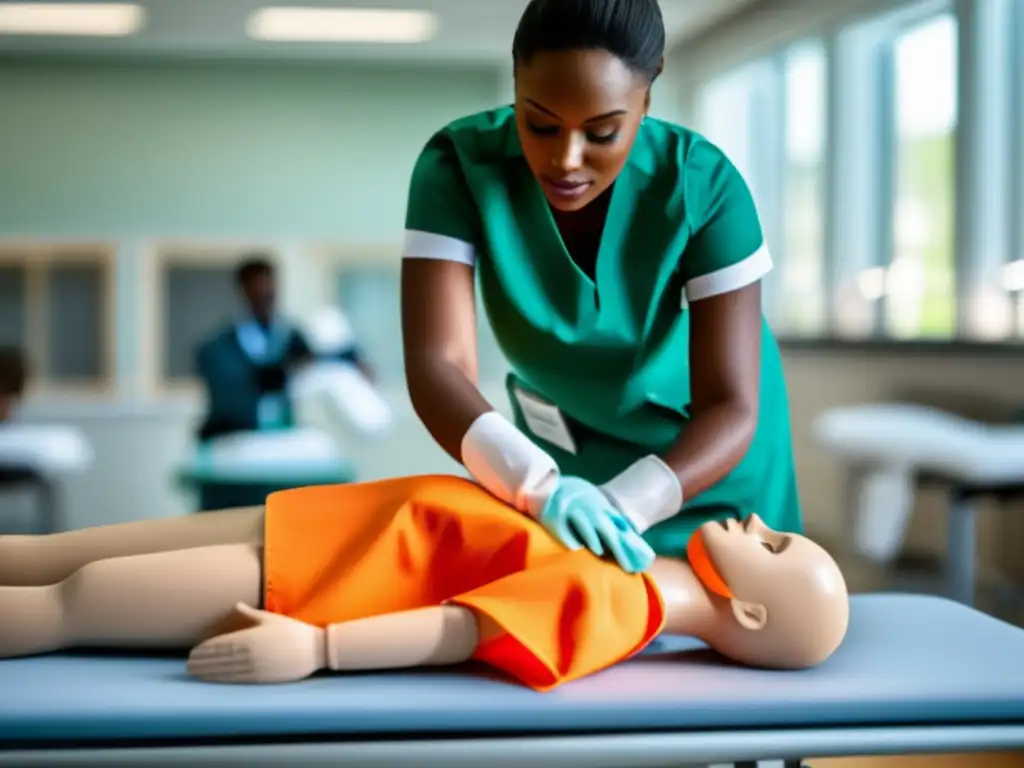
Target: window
x=769 y=117
x=920 y=283
x=737 y=111
x=1013 y=272
x=199 y=299
x=731 y=110
x=195 y=296
x=888 y=171
x=801 y=261
x=370 y=294
x=724 y=109
x=57 y=304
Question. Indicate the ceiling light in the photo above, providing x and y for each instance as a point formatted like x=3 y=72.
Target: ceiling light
x=71 y=19
x=342 y=25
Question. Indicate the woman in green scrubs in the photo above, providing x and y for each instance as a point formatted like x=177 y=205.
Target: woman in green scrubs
x=619 y=259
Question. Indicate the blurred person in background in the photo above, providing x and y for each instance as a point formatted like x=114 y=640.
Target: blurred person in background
x=246 y=366
x=13 y=379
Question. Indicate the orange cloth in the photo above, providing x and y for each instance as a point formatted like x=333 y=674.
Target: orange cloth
x=704 y=567
x=341 y=552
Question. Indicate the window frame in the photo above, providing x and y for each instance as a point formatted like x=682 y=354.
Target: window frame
x=158 y=259
x=903 y=21
x=329 y=260
x=37 y=257
x=774 y=280
x=860 y=137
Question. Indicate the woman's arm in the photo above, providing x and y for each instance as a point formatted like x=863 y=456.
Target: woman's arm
x=439 y=342
x=442 y=243
x=725 y=372
x=439 y=337
x=721 y=271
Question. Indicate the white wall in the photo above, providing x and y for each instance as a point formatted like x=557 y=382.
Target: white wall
x=299 y=159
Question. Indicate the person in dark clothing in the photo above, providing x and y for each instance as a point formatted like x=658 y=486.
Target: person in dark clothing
x=13 y=379
x=245 y=367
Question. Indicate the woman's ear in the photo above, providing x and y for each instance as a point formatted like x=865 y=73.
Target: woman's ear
x=752 y=616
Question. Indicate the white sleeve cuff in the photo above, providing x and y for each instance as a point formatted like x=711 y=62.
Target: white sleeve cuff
x=428 y=245
x=731 y=278
x=508 y=464
x=647 y=492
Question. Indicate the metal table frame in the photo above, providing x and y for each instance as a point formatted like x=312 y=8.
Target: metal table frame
x=48 y=518
x=743 y=748
x=961 y=528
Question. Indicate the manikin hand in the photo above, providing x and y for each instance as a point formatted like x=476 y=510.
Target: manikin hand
x=272 y=649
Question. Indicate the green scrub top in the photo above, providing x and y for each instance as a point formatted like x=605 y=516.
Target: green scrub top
x=611 y=351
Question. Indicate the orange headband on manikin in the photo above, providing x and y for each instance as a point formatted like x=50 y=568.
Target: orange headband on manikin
x=704 y=569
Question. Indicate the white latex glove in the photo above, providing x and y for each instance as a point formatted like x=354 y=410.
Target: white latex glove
x=508 y=464
x=647 y=492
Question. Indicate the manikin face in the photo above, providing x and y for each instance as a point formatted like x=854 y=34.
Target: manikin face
x=577 y=114
x=784 y=596
x=754 y=560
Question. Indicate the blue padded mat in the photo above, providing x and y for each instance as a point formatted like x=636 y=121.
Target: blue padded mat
x=906 y=660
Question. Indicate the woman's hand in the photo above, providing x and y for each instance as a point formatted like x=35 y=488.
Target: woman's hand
x=579 y=515
x=272 y=649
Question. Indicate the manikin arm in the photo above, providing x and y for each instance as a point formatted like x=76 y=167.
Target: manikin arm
x=277 y=649
x=725 y=371
x=433 y=636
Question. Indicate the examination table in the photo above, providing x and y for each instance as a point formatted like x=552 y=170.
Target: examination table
x=915 y=675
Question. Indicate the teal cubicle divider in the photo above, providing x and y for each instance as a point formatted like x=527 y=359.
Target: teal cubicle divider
x=220 y=489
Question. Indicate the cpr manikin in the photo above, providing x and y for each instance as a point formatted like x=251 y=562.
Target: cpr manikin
x=408 y=572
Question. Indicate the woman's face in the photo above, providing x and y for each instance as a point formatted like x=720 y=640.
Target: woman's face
x=577 y=113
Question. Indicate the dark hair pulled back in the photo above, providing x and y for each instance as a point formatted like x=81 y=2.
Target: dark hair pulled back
x=631 y=30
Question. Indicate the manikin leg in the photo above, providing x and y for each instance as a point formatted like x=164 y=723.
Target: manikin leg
x=163 y=600
x=38 y=560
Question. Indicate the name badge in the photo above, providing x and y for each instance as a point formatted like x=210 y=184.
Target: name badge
x=545 y=420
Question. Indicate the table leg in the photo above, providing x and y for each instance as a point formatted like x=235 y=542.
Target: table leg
x=960 y=546
x=46 y=507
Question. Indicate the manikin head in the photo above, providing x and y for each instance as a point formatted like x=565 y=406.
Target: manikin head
x=778 y=599
x=583 y=76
